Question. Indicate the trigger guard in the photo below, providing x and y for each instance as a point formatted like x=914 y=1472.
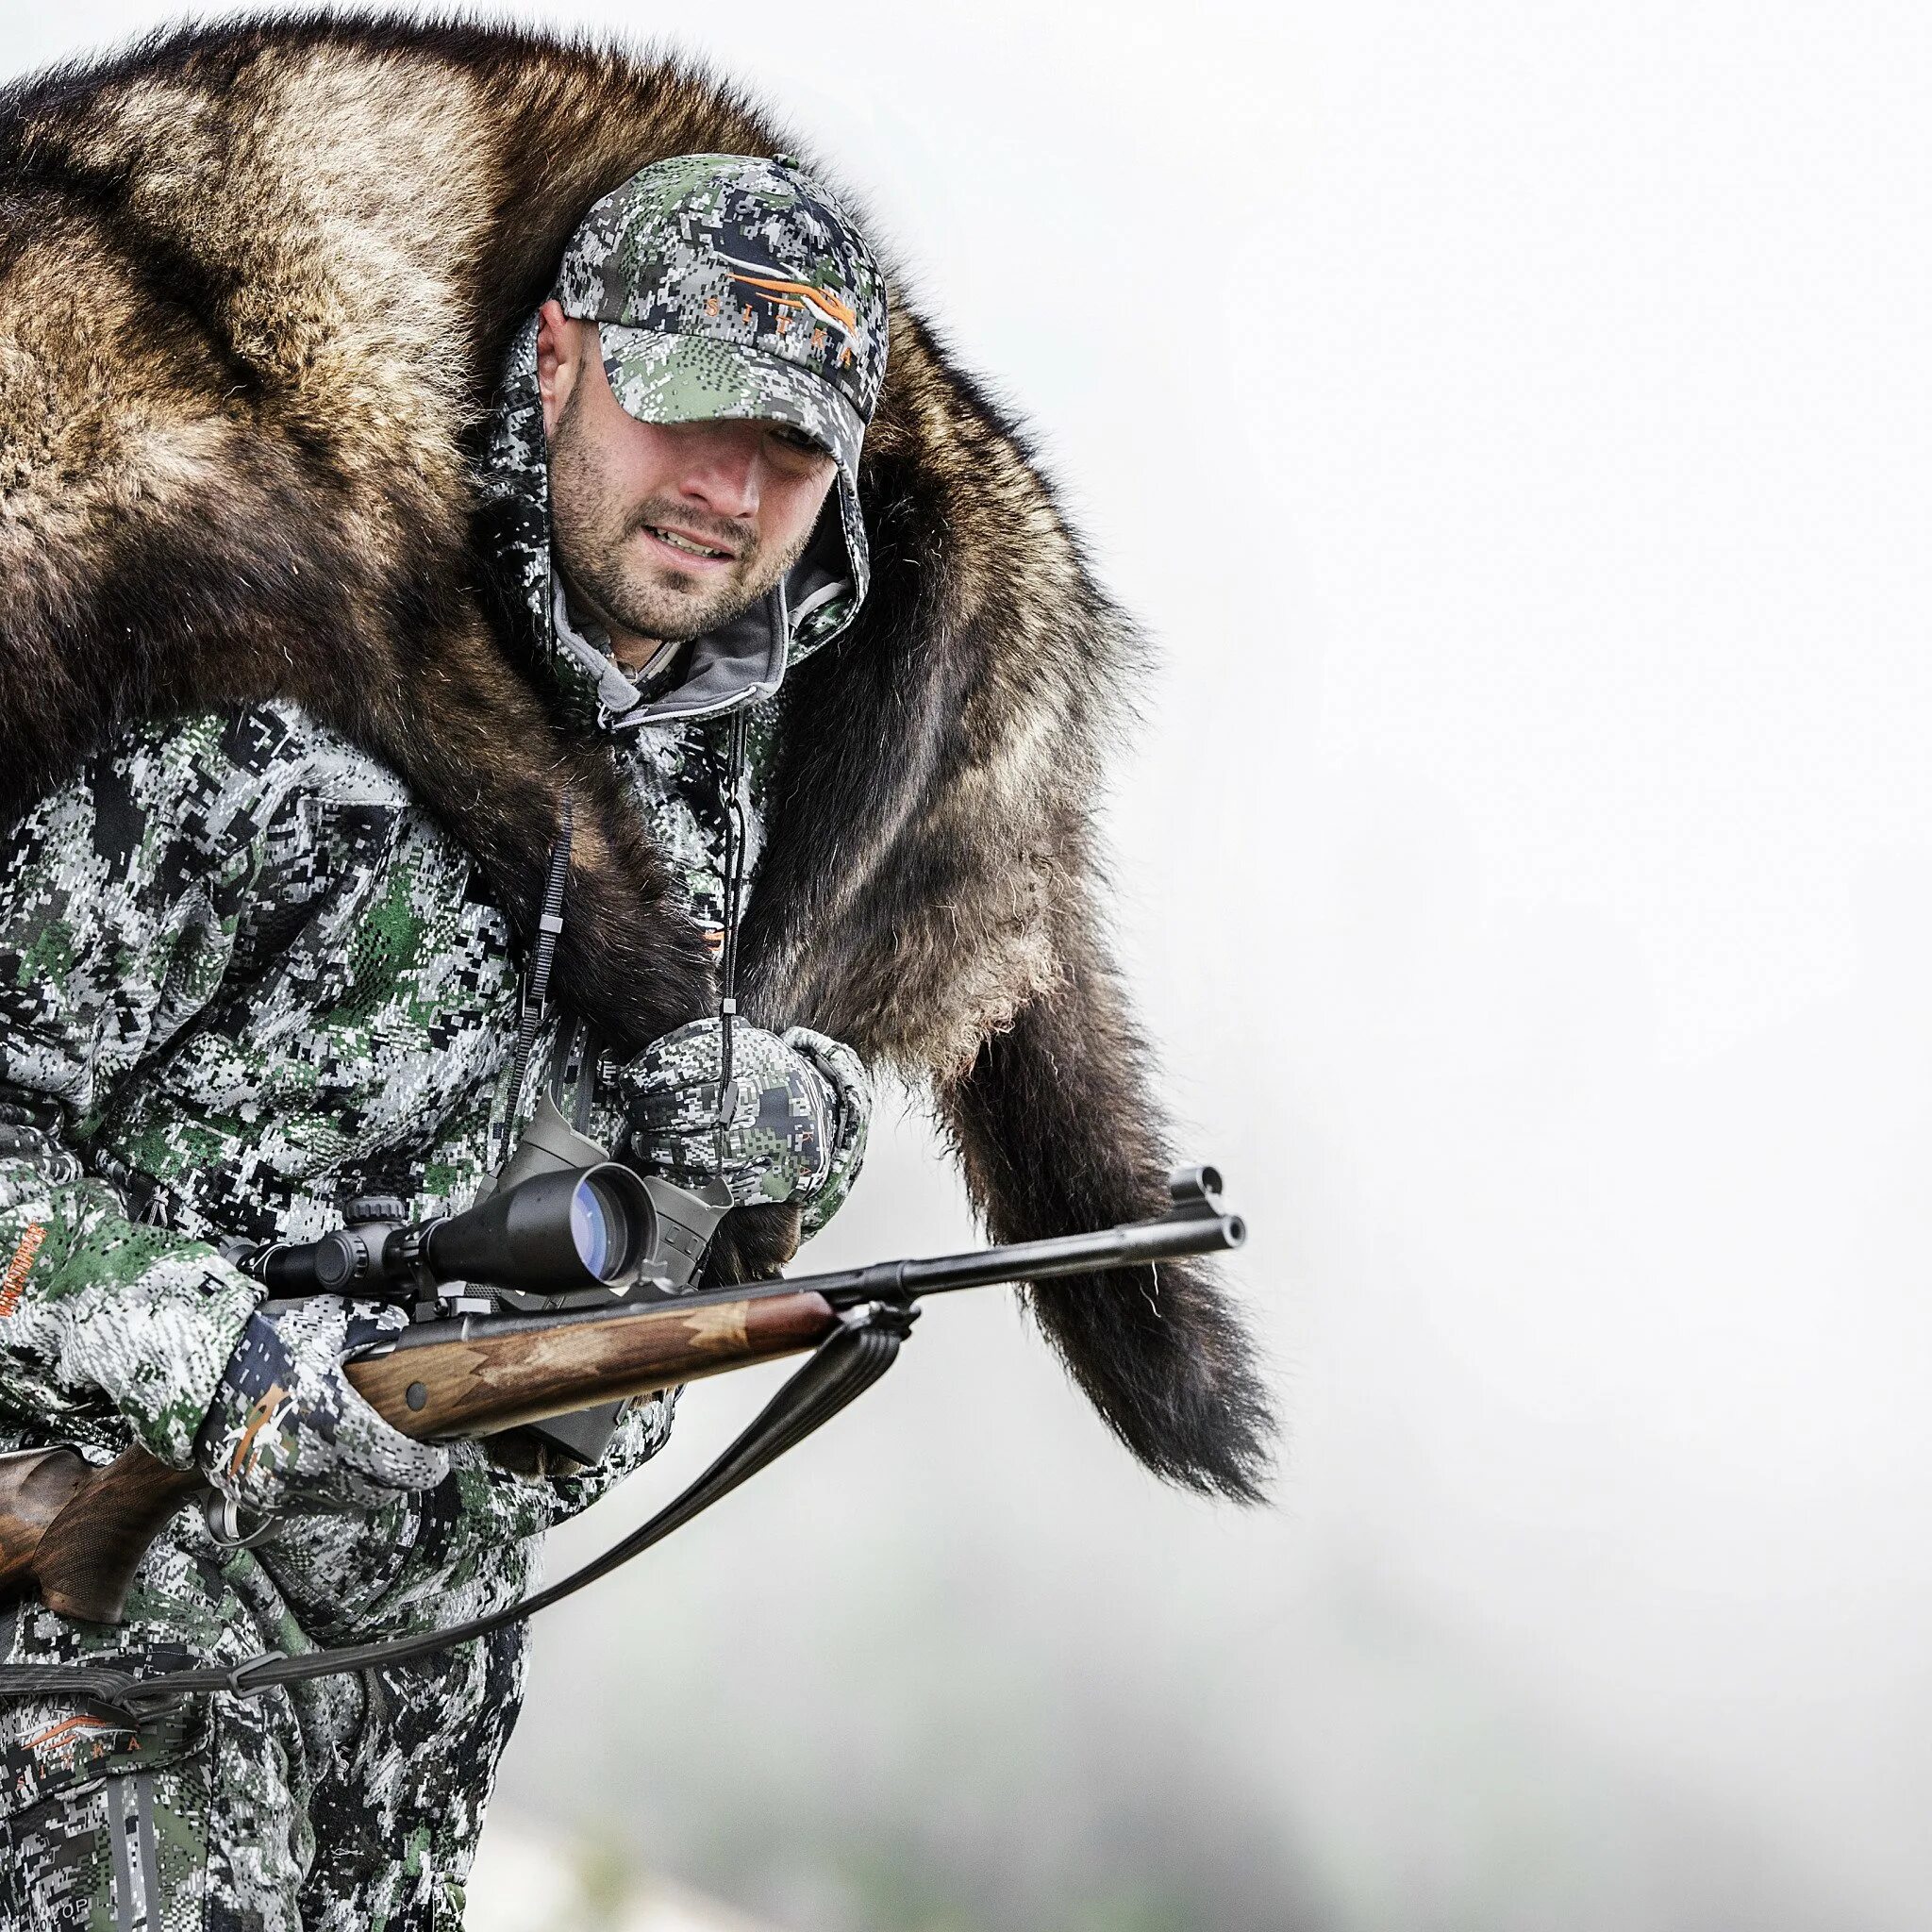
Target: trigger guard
x=223 y=1515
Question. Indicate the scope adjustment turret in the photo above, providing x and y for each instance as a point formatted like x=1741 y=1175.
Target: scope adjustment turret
x=359 y=1209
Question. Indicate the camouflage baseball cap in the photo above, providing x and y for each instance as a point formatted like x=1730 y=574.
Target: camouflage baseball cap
x=731 y=286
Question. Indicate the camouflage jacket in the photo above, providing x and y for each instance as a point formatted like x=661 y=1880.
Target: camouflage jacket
x=241 y=977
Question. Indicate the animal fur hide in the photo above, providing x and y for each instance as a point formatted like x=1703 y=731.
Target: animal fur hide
x=256 y=284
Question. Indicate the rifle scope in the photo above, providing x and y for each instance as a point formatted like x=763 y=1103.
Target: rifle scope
x=571 y=1228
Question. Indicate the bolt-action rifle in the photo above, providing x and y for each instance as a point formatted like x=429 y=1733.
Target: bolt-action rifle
x=76 y=1532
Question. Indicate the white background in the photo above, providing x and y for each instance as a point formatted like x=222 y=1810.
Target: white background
x=1511 y=421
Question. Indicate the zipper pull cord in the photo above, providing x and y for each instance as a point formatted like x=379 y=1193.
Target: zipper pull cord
x=734 y=894
x=536 y=995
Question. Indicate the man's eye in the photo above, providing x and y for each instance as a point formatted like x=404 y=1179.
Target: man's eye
x=797 y=440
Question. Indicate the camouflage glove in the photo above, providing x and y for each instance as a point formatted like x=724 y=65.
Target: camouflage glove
x=287 y=1429
x=796 y=1113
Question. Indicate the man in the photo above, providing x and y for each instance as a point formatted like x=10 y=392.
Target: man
x=264 y=982
x=325 y=663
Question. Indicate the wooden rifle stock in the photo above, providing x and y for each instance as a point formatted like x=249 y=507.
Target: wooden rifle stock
x=76 y=1533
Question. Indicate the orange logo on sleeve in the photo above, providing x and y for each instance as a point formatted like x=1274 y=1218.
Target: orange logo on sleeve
x=13 y=1285
x=266 y=1405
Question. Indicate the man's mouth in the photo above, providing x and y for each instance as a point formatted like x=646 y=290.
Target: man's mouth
x=690 y=546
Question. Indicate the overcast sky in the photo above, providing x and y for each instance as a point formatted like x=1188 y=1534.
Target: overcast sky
x=1512 y=422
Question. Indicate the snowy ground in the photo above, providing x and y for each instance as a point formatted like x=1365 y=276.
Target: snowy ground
x=528 y=1880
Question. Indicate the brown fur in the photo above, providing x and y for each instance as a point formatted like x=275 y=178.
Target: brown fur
x=256 y=283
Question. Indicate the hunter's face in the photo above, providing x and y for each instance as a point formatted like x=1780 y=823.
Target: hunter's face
x=666 y=530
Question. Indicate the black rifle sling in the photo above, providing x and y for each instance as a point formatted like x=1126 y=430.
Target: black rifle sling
x=857 y=1353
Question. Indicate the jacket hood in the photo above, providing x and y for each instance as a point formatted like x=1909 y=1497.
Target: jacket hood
x=741 y=662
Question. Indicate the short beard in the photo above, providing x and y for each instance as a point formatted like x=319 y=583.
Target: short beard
x=591 y=531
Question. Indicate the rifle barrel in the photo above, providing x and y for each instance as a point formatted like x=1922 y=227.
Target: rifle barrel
x=1169 y=1240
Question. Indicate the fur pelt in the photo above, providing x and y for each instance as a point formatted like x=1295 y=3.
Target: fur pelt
x=256 y=284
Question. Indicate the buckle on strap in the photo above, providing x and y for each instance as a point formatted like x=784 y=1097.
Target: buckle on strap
x=236 y=1681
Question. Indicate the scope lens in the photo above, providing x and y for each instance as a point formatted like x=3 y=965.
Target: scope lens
x=599 y=1226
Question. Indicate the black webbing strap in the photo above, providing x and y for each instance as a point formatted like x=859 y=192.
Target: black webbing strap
x=534 y=998
x=857 y=1353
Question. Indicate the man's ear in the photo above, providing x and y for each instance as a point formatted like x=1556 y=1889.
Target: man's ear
x=558 y=352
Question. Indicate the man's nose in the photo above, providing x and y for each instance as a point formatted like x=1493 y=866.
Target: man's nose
x=721 y=470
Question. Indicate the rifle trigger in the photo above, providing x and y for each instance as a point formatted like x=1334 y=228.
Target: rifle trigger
x=223 y=1515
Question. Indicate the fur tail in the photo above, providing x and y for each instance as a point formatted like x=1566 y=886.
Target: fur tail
x=1162 y=1353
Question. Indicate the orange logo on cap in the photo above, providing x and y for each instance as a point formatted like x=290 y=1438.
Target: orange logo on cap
x=796 y=294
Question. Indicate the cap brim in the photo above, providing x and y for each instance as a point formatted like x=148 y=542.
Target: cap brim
x=661 y=377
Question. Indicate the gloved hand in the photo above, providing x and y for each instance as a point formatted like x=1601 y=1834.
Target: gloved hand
x=287 y=1429
x=795 y=1115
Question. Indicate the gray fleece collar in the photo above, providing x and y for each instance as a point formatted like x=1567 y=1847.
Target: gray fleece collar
x=740 y=663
